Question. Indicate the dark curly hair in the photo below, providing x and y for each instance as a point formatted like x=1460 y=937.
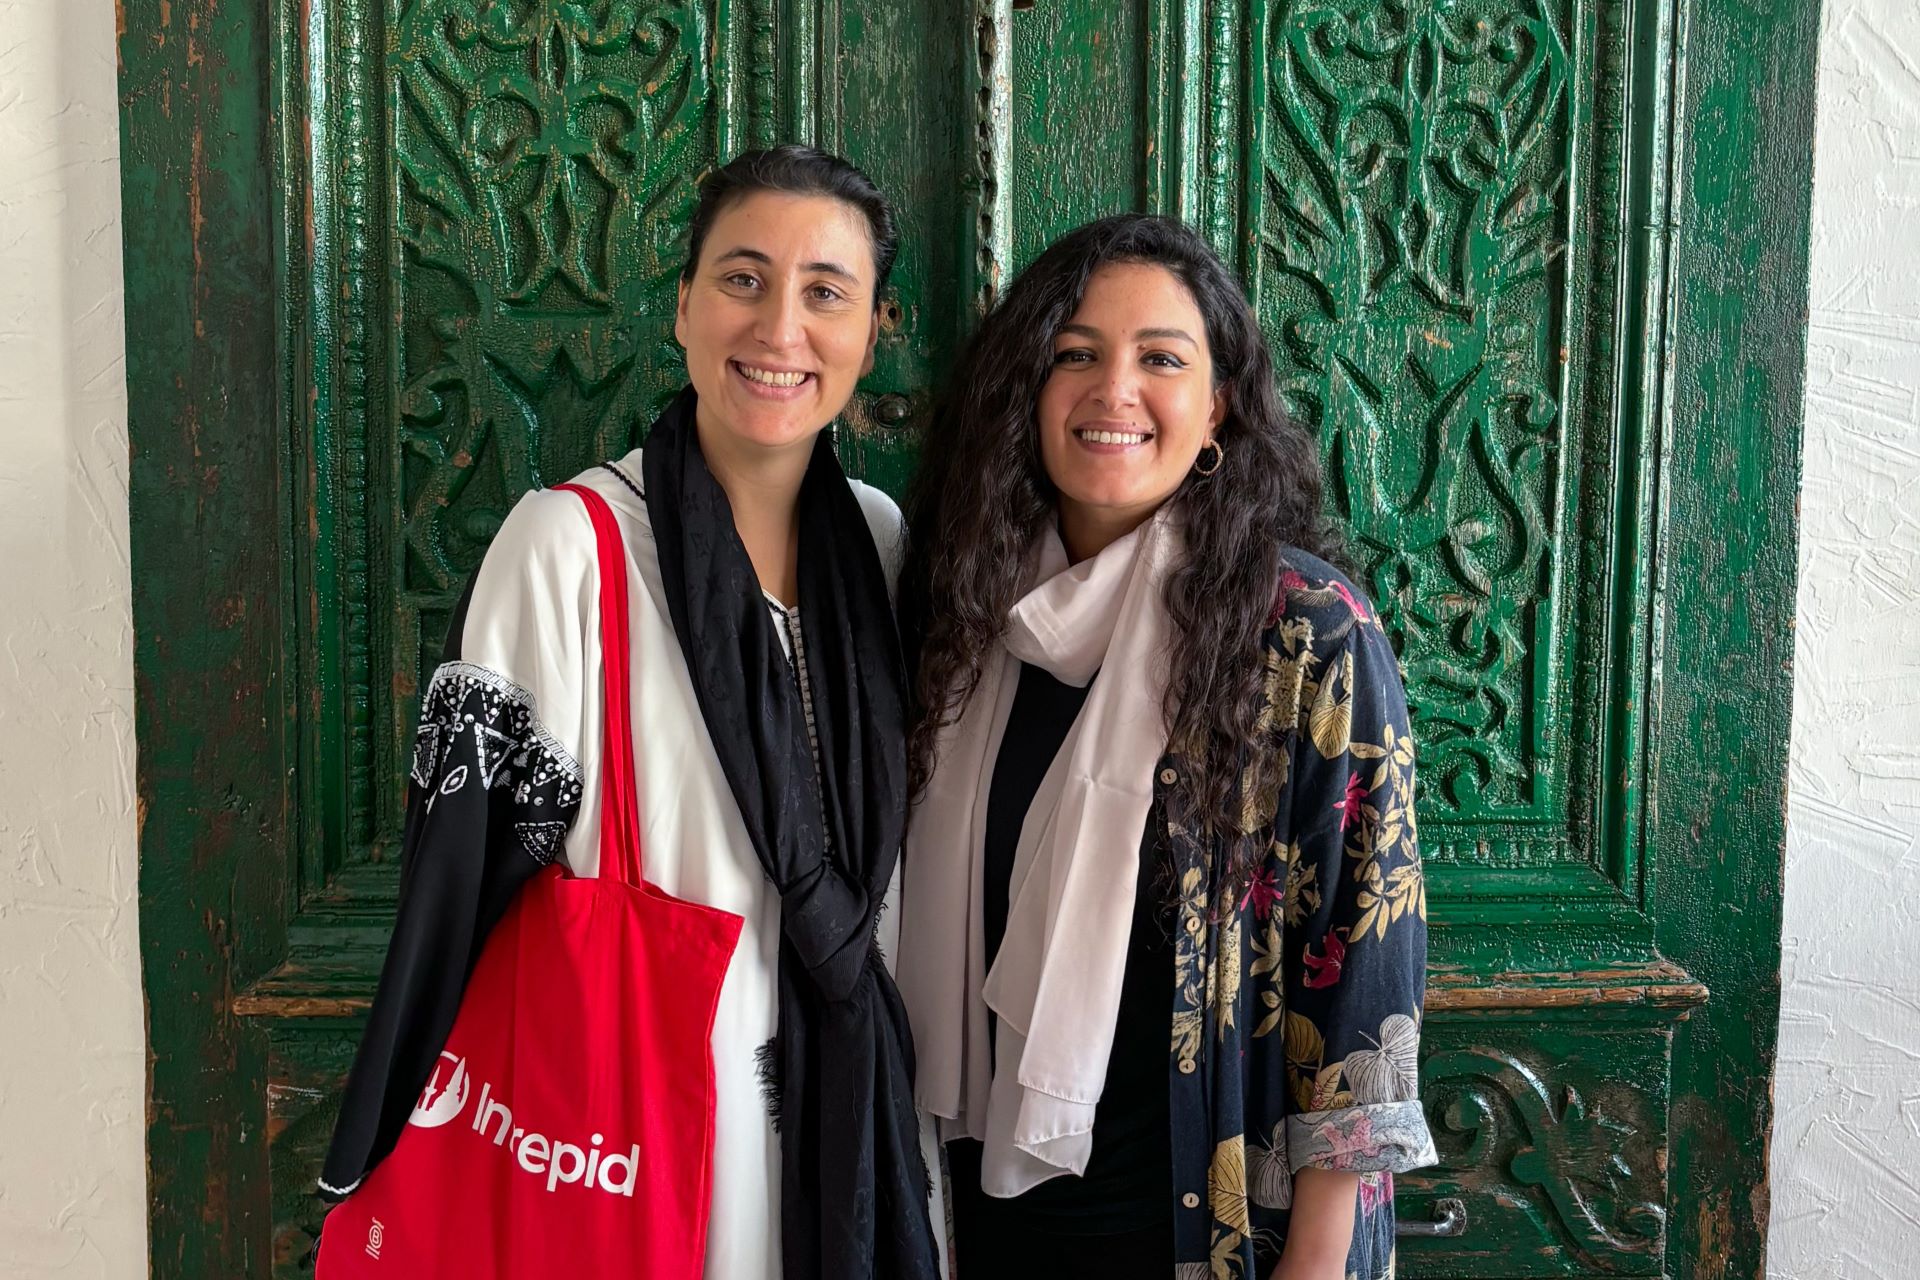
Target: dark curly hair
x=981 y=496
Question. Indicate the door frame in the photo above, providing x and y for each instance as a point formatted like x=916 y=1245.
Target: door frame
x=214 y=602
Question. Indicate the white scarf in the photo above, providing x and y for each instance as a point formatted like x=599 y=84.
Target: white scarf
x=1055 y=982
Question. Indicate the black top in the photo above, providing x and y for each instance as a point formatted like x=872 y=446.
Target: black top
x=1129 y=1174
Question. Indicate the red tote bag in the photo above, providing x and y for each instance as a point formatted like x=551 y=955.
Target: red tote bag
x=567 y=1129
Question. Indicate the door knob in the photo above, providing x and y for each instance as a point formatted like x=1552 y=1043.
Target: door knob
x=1449 y=1219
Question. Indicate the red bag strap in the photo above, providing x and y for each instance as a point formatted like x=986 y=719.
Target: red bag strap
x=620 y=853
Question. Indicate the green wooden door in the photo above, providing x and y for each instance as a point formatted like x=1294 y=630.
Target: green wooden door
x=1532 y=268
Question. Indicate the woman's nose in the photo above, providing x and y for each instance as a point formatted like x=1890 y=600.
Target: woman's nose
x=779 y=326
x=1118 y=389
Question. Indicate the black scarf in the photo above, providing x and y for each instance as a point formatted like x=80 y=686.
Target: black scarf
x=852 y=1184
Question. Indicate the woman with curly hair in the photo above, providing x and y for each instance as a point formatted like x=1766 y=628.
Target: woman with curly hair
x=1163 y=922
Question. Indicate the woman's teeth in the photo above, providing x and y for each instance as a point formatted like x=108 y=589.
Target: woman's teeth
x=1113 y=437
x=770 y=377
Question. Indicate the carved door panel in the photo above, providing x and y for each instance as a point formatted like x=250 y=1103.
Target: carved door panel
x=433 y=244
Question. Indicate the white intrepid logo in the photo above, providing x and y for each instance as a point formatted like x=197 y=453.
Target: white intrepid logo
x=446 y=1096
x=442 y=1099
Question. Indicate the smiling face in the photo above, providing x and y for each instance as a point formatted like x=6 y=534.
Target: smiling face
x=778 y=319
x=1129 y=403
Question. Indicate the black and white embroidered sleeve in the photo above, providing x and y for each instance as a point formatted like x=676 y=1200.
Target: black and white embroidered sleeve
x=492 y=796
x=479 y=729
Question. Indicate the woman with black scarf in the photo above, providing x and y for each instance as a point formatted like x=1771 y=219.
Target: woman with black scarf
x=769 y=716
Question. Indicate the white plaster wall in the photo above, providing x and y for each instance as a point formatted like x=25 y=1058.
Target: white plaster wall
x=72 y=1046
x=1846 y=1141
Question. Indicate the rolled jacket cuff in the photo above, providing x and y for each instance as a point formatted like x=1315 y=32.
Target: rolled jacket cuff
x=1381 y=1137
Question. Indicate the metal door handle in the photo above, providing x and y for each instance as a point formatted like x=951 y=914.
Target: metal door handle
x=1449 y=1219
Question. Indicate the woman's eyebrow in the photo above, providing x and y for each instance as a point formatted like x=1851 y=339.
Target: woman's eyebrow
x=1088 y=331
x=754 y=255
x=832 y=269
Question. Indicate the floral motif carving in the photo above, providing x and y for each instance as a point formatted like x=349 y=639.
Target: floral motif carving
x=543 y=154
x=1591 y=1154
x=1416 y=162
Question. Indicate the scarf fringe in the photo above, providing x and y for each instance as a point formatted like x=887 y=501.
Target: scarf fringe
x=766 y=1066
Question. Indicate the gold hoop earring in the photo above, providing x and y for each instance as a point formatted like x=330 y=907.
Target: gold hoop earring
x=1219 y=458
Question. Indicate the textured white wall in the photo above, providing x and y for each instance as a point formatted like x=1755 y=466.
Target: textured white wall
x=72 y=1047
x=1846 y=1141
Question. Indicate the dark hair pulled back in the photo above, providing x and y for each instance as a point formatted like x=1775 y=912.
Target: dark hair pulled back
x=792 y=169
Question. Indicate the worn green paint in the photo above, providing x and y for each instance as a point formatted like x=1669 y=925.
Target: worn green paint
x=883 y=108
x=1554 y=1138
x=1723 y=701
x=1079 y=99
x=213 y=689
x=1511 y=280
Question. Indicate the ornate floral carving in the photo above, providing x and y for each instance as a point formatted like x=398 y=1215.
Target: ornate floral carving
x=544 y=154
x=1416 y=163
x=1594 y=1160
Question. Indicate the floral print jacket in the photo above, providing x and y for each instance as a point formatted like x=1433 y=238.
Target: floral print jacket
x=1296 y=1014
